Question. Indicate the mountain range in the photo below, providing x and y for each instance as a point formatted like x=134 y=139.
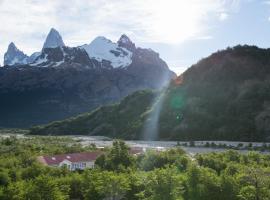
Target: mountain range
x=60 y=81
x=225 y=96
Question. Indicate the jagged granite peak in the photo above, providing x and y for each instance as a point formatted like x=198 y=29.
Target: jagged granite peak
x=124 y=39
x=14 y=56
x=12 y=46
x=63 y=56
x=125 y=42
x=53 y=39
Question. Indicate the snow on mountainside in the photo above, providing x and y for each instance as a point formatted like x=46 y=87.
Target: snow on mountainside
x=53 y=40
x=14 y=56
x=33 y=57
x=103 y=49
x=63 y=56
x=100 y=53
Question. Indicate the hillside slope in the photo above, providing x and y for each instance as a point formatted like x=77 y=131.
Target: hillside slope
x=223 y=97
x=123 y=120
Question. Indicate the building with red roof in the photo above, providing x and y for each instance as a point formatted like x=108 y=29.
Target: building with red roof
x=72 y=161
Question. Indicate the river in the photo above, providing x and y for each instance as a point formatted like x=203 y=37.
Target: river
x=199 y=146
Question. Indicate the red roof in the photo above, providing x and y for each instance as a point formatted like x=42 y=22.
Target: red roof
x=79 y=157
x=72 y=157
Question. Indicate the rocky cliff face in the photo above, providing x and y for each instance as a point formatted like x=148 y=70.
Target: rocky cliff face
x=63 y=81
x=53 y=40
x=14 y=56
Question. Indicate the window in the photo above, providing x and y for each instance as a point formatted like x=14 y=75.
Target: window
x=83 y=165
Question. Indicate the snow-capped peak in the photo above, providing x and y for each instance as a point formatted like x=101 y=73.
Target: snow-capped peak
x=102 y=48
x=14 y=56
x=53 y=40
x=101 y=38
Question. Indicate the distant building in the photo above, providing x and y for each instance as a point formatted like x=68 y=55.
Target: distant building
x=72 y=161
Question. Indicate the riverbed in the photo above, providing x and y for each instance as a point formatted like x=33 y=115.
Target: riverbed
x=197 y=146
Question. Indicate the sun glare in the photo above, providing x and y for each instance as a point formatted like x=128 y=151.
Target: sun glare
x=176 y=20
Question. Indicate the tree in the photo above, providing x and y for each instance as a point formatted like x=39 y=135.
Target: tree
x=136 y=185
x=75 y=184
x=92 y=184
x=4 y=178
x=229 y=187
x=152 y=159
x=45 y=188
x=117 y=159
x=202 y=183
x=104 y=185
x=247 y=193
x=164 y=184
x=16 y=191
x=115 y=185
x=32 y=171
x=255 y=184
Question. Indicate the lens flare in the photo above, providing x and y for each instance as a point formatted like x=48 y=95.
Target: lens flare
x=151 y=125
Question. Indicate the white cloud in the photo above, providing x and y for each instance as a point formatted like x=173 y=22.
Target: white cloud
x=26 y=22
x=223 y=16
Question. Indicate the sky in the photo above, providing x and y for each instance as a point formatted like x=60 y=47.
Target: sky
x=181 y=31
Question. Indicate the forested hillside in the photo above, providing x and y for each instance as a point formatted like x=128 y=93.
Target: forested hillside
x=123 y=120
x=225 y=96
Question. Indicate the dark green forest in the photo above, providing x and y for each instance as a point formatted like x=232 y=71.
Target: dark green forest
x=123 y=120
x=225 y=96
x=168 y=175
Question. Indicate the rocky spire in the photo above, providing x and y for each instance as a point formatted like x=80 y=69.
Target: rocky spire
x=14 y=56
x=53 y=40
x=125 y=42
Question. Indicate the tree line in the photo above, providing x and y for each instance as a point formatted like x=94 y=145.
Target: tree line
x=118 y=175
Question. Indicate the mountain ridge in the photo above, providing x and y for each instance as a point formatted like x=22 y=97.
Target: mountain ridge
x=64 y=81
x=223 y=97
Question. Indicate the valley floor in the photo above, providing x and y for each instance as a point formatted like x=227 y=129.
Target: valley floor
x=191 y=147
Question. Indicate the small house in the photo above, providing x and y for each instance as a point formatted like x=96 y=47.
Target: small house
x=72 y=161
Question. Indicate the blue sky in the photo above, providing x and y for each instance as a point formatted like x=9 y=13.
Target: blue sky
x=182 y=31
